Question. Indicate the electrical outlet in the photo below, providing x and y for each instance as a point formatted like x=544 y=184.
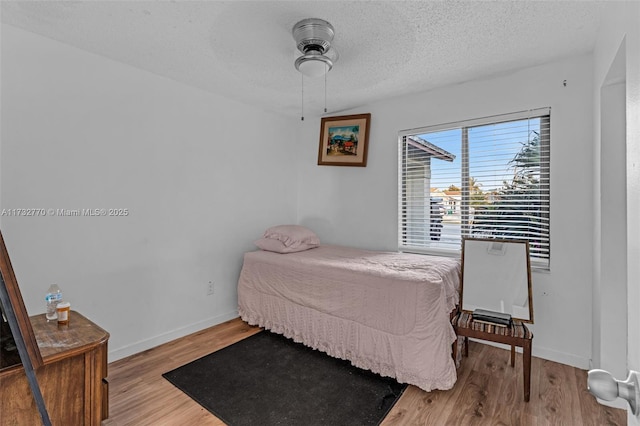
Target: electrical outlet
x=210 y=288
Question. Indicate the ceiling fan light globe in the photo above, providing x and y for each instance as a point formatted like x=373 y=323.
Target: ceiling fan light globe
x=313 y=65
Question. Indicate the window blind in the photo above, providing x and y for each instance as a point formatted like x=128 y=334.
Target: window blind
x=486 y=178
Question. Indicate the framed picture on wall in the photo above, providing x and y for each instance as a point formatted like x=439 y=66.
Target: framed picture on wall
x=344 y=140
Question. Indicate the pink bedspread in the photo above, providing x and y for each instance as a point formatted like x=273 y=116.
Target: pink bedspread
x=385 y=312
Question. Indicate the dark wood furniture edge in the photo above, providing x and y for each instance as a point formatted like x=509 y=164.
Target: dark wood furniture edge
x=55 y=357
x=66 y=348
x=50 y=358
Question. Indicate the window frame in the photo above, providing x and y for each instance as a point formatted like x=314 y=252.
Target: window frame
x=537 y=263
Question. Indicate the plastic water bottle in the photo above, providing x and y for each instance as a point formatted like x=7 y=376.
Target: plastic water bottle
x=53 y=297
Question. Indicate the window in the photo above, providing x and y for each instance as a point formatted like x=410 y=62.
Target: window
x=485 y=178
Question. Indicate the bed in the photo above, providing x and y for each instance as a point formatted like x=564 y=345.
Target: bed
x=383 y=311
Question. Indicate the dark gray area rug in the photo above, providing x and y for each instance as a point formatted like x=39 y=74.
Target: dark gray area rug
x=267 y=379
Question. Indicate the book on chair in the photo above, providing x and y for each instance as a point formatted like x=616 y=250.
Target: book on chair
x=500 y=319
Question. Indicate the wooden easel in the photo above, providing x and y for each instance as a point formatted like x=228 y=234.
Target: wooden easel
x=14 y=310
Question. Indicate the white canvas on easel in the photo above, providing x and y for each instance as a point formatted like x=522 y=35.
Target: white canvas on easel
x=496 y=276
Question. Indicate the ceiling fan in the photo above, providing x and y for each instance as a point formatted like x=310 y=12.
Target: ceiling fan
x=313 y=39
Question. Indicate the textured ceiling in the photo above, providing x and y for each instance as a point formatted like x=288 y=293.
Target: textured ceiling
x=244 y=49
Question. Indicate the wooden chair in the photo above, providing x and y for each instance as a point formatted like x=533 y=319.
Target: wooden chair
x=517 y=334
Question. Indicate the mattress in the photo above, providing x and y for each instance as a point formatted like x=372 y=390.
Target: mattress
x=384 y=311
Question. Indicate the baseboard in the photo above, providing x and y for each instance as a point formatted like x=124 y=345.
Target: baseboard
x=561 y=357
x=549 y=354
x=152 y=342
x=125 y=351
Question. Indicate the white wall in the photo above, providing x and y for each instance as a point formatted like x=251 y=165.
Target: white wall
x=201 y=176
x=358 y=206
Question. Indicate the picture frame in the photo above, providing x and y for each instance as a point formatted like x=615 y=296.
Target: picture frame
x=13 y=307
x=18 y=333
x=344 y=140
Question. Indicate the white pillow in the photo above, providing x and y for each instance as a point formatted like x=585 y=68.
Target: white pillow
x=276 y=246
x=288 y=239
x=292 y=235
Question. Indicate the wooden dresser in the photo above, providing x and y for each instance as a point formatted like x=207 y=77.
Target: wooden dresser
x=72 y=379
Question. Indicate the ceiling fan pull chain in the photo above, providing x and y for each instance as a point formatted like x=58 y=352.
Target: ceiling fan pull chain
x=302 y=101
x=325 y=92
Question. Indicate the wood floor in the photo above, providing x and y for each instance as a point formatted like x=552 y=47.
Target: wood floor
x=488 y=390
